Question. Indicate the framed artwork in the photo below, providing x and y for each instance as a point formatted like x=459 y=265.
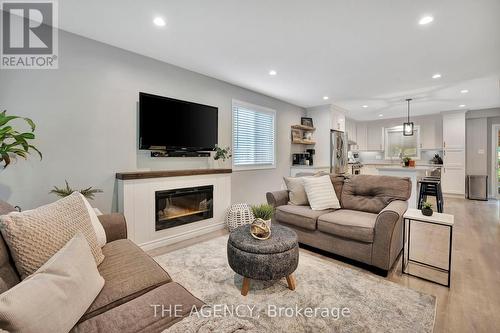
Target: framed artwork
x=306 y=122
x=296 y=135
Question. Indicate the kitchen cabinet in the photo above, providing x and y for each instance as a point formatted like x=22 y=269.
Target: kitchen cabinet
x=369 y=169
x=361 y=136
x=350 y=129
x=375 y=135
x=338 y=119
x=454 y=131
x=431 y=133
x=453 y=180
x=453 y=175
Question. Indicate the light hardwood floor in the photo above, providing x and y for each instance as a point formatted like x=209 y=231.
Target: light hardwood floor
x=472 y=304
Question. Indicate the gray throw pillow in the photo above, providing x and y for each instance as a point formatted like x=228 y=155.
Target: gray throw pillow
x=57 y=295
x=296 y=193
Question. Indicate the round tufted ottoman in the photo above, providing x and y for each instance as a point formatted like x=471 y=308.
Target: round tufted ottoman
x=269 y=259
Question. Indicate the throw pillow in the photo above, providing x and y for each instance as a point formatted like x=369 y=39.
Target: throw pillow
x=96 y=224
x=57 y=295
x=36 y=235
x=320 y=193
x=296 y=192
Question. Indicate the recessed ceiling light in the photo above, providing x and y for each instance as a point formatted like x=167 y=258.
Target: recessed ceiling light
x=436 y=76
x=159 y=21
x=464 y=91
x=364 y=106
x=272 y=72
x=325 y=98
x=426 y=20
x=381 y=115
x=462 y=105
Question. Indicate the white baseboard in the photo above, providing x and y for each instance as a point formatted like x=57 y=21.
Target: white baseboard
x=169 y=240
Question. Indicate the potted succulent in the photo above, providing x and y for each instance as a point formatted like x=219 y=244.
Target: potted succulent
x=427 y=209
x=406 y=161
x=261 y=226
x=13 y=142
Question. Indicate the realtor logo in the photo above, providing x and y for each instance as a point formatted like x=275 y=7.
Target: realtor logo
x=29 y=35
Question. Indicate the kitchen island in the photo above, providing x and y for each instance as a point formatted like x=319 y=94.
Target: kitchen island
x=414 y=173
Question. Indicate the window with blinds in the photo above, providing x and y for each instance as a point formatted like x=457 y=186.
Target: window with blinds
x=253 y=136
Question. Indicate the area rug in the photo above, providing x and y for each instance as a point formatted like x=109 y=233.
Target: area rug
x=373 y=304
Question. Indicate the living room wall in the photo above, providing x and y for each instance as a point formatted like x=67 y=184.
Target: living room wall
x=86 y=116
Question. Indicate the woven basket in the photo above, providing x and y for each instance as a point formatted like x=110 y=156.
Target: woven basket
x=239 y=214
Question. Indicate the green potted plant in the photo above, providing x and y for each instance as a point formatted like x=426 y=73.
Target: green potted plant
x=14 y=142
x=406 y=161
x=62 y=192
x=261 y=227
x=427 y=209
x=221 y=154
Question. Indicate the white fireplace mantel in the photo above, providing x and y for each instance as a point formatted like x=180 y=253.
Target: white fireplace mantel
x=136 y=200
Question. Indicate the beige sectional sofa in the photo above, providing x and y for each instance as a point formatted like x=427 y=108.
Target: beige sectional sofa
x=368 y=228
x=134 y=282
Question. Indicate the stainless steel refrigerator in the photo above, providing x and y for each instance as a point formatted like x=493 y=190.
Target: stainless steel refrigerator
x=338 y=152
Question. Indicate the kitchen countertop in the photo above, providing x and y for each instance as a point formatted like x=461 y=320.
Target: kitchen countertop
x=399 y=164
x=402 y=168
x=309 y=167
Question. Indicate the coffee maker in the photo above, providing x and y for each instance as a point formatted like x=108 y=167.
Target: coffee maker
x=310 y=155
x=299 y=159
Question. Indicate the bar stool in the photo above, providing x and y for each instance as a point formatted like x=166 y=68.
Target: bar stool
x=430 y=186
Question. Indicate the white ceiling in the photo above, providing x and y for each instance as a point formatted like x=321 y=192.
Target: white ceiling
x=356 y=52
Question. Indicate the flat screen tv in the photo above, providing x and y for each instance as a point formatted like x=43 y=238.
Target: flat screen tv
x=171 y=124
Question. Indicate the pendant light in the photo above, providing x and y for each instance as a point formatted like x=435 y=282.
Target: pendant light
x=408 y=126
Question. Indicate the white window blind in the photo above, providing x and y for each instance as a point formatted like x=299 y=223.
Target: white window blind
x=253 y=136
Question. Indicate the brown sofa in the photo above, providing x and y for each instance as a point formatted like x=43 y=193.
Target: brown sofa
x=134 y=283
x=368 y=228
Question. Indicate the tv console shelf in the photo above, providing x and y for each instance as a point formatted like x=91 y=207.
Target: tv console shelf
x=180 y=154
x=169 y=173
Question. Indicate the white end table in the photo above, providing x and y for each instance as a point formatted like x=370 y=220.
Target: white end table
x=416 y=215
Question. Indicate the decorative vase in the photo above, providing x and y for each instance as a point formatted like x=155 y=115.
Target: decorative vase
x=407 y=163
x=260 y=229
x=427 y=211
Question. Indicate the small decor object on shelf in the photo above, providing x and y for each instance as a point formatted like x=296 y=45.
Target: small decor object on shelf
x=62 y=192
x=296 y=135
x=13 y=142
x=238 y=215
x=306 y=122
x=406 y=161
x=427 y=209
x=222 y=153
x=261 y=227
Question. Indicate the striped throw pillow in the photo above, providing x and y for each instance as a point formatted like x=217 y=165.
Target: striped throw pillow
x=320 y=193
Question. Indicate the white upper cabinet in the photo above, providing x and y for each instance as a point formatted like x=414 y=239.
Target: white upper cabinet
x=338 y=119
x=350 y=129
x=431 y=132
x=361 y=136
x=454 y=131
x=375 y=137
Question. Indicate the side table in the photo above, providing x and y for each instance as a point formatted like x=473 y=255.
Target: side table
x=415 y=215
